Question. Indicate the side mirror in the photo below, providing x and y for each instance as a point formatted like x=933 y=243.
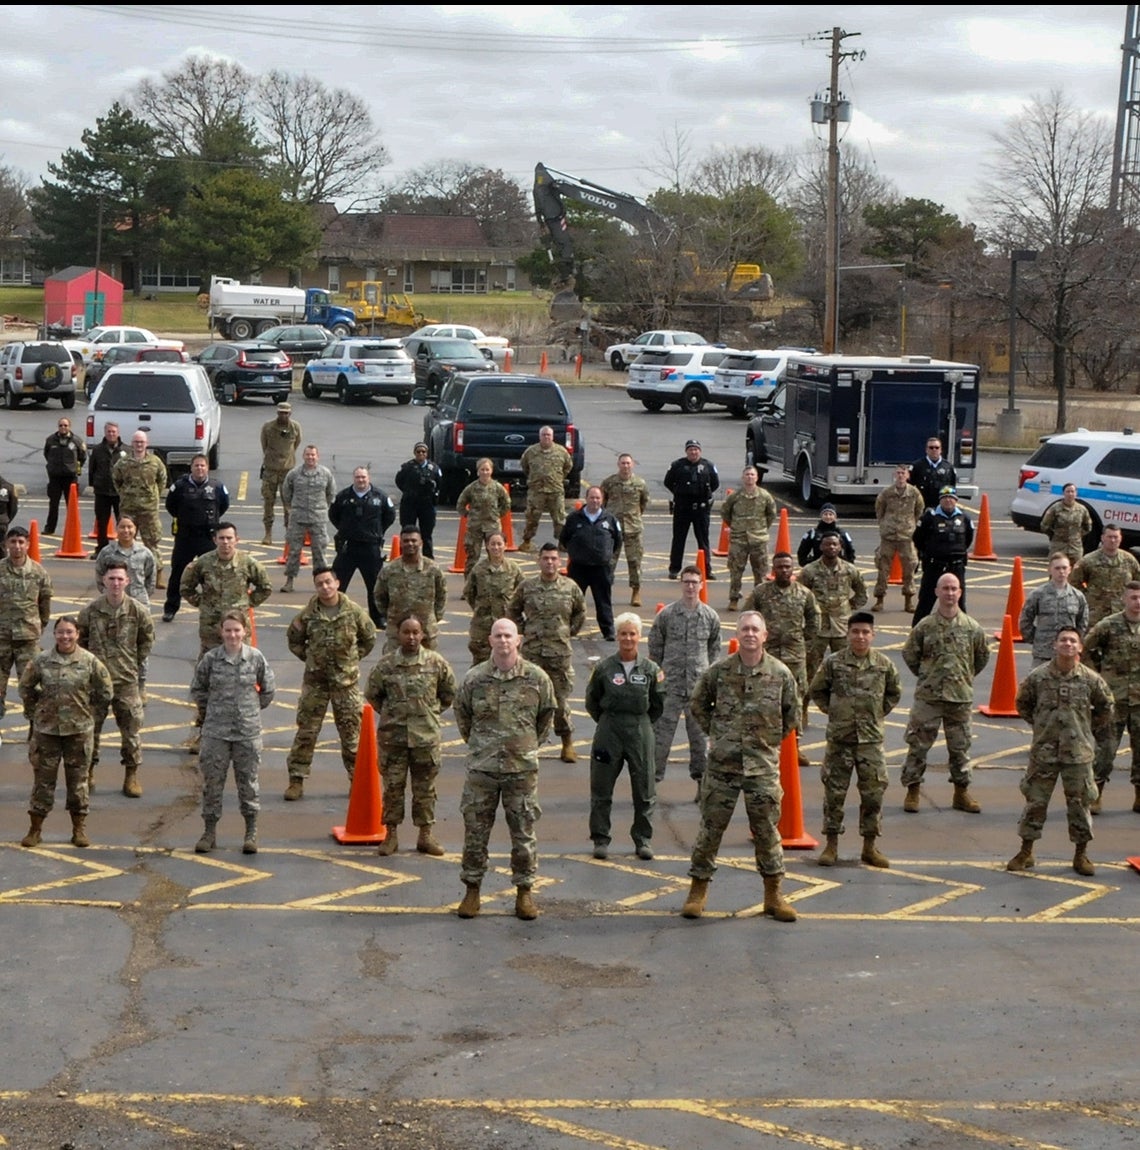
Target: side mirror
x=421 y=397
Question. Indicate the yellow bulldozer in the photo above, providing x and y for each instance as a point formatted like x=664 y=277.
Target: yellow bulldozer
x=381 y=312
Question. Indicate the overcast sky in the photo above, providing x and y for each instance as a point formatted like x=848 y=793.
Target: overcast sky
x=592 y=91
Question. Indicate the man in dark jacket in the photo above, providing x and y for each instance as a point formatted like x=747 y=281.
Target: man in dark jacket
x=931 y=473
x=197 y=503
x=104 y=456
x=691 y=480
x=361 y=514
x=591 y=537
x=809 y=549
x=418 y=480
x=9 y=505
x=64 y=455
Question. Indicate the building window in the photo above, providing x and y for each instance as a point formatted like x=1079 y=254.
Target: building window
x=168 y=279
x=409 y=278
x=370 y=272
x=334 y=277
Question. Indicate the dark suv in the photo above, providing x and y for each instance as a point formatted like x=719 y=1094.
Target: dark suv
x=437 y=359
x=497 y=416
x=247 y=367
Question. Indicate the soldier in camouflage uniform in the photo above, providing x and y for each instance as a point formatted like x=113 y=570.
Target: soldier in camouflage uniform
x=749 y=514
x=233 y=683
x=142 y=570
x=484 y=502
x=1102 y=574
x=947 y=651
x=626 y=496
x=25 y=607
x=792 y=617
x=310 y=490
x=504 y=709
x=408 y=689
x=546 y=465
x=330 y=636
x=549 y=609
x=1112 y=648
x=1070 y=709
x=839 y=589
x=898 y=509
x=747 y=704
x=856 y=689
x=1050 y=607
x=488 y=589
x=62 y=690
x=280 y=438
x=1067 y=522
x=119 y=631
x=412 y=585
x=141 y=482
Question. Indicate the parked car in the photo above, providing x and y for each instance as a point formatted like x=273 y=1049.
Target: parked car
x=745 y=373
x=497 y=345
x=128 y=353
x=360 y=368
x=301 y=341
x=96 y=340
x=437 y=359
x=38 y=370
x=621 y=355
x=247 y=367
x=680 y=375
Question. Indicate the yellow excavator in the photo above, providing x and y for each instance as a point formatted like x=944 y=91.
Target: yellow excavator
x=381 y=312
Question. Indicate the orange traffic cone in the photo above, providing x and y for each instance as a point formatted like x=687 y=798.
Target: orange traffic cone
x=722 y=546
x=34 y=540
x=577 y=367
x=1134 y=862
x=285 y=554
x=397 y=548
x=983 y=541
x=659 y=608
x=1003 y=693
x=783 y=537
x=895 y=577
x=792 y=833
x=365 y=820
x=72 y=547
x=460 y=562
x=111 y=531
x=505 y=523
x=733 y=645
x=252 y=628
x=508 y=359
x=703 y=567
x=1015 y=601
x=543 y=364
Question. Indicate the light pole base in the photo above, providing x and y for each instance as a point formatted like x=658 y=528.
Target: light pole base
x=1010 y=427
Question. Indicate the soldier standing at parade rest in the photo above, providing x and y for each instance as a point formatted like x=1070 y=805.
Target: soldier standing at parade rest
x=64 y=456
x=100 y=475
x=412 y=585
x=691 y=480
x=1103 y=573
x=591 y=538
x=62 y=689
x=1067 y=522
x=810 y=548
x=409 y=688
x=484 y=502
x=119 y=631
x=838 y=589
x=196 y=503
x=331 y=635
x=488 y=589
x=25 y=607
x=942 y=539
x=361 y=513
x=280 y=438
x=625 y=697
x=126 y=548
x=418 y=482
x=547 y=466
x=141 y=482
x=931 y=473
x=310 y=489
x=947 y=651
x=504 y=709
x=627 y=496
x=749 y=514
x=747 y=704
x=1050 y=607
x=898 y=509
x=856 y=689
x=549 y=610
x=1069 y=707
x=232 y=685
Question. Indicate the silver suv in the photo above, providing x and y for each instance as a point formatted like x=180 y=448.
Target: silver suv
x=38 y=371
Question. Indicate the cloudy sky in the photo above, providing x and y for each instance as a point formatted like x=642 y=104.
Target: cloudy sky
x=593 y=91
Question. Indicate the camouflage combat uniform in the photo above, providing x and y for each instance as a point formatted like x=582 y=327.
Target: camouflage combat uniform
x=62 y=694
x=1067 y=528
x=279 y=445
x=1070 y=712
x=856 y=695
x=488 y=591
x=142 y=484
x=898 y=514
x=504 y=718
x=546 y=470
x=309 y=494
x=749 y=519
x=1046 y=611
x=25 y=608
x=231 y=692
x=408 y=693
x=1102 y=580
x=791 y=615
x=548 y=613
x=1112 y=648
x=142 y=568
x=746 y=712
x=484 y=504
x=627 y=499
x=404 y=588
x=215 y=587
x=331 y=644
x=838 y=591
x=947 y=655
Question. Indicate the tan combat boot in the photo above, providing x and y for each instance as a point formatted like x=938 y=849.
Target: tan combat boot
x=635 y=597
x=524 y=904
x=964 y=801
x=1024 y=859
x=249 y=843
x=871 y=855
x=426 y=844
x=267 y=538
x=160 y=579
x=295 y=789
x=733 y=604
x=775 y=905
x=32 y=838
x=829 y=856
x=910 y=803
x=1081 y=863
x=695 y=903
x=526 y=546
x=911 y=604
x=569 y=755
x=193 y=745
x=469 y=907
x=1095 y=805
x=79 y=831
x=209 y=838
x=802 y=758
x=287 y=586
x=878 y=603
x=132 y=788
x=389 y=846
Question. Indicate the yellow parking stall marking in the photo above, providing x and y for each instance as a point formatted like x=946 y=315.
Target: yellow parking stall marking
x=778 y=1130
x=1092 y=893
x=925 y=1113
x=95 y=872
x=243 y=486
x=955 y=889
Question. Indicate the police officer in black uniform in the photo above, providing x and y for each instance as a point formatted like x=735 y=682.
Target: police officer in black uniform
x=100 y=463
x=197 y=504
x=418 y=480
x=931 y=473
x=691 y=480
x=361 y=514
x=943 y=538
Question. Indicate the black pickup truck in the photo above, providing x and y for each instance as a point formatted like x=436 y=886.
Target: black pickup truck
x=497 y=416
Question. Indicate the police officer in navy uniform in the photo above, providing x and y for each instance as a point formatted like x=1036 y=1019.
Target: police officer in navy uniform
x=942 y=538
x=197 y=504
x=931 y=473
x=418 y=480
x=691 y=480
x=361 y=514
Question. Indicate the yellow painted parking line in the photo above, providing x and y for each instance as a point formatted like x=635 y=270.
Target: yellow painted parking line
x=243 y=486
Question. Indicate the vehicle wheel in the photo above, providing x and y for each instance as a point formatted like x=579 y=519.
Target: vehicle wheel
x=67 y=402
x=738 y=413
x=617 y=362
x=1092 y=539
x=652 y=404
x=404 y=398
x=342 y=392
x=307 y=389
x=574 y=485
x=693 y=399
x=340 y=330
x=11 y=400
x=809 y=493
x=263 y=325
x=214 y=455
x=241 y=329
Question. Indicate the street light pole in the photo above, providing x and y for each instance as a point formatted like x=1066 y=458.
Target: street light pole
x=1009 y=422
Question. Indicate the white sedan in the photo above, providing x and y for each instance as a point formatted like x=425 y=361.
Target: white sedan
x=497 y=345
x=91 y=344
x=621 y=355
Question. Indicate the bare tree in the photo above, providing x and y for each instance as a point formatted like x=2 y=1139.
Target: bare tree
x=673 y=162
x=723 y=172
x=13 y=199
